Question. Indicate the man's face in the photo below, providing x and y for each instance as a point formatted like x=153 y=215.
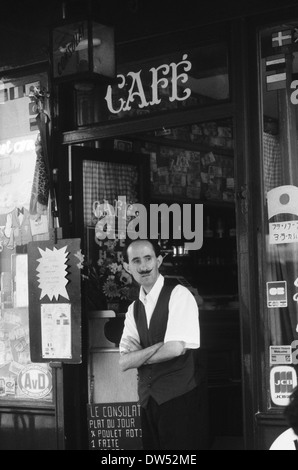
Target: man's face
x=143 y=264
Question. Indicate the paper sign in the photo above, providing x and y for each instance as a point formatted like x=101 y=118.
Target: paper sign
x=283 y=200
x=283 y=232
x=56 y=331
x=21 y=281
x=39 y=225
x=277 y=296
x=280 y=355
x=52 y=271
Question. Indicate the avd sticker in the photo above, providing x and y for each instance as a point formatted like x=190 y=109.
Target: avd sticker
x=35 y=381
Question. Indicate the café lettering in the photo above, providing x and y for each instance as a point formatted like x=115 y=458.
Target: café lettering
x=162 y=77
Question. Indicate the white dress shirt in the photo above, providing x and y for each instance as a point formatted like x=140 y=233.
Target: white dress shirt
x=183 y=322
x=286 y=441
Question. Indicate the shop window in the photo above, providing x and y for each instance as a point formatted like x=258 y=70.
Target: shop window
x=189 y=78
x=23 y=218
x=193 y=162
x=279 y=65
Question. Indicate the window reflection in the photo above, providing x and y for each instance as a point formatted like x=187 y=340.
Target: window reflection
x=23 y=218
x=280 y=175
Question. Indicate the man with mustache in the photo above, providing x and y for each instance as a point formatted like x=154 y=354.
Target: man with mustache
x=160 y=335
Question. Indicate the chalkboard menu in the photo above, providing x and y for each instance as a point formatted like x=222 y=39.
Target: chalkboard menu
x=114 y=426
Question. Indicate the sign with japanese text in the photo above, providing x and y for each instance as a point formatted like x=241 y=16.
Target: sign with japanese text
x=283 y=232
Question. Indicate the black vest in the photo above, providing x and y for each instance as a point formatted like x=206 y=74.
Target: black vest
x=166 y=380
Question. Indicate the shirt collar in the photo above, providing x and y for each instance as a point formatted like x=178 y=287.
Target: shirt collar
x=155 y=291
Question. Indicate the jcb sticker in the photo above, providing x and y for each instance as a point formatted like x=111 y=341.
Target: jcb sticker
x=277 y=296
x=283 y=381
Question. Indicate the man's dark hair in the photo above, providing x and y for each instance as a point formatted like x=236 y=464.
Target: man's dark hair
x=128 y=242
x=291 y=412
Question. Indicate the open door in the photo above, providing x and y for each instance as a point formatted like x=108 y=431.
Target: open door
x=103 y=178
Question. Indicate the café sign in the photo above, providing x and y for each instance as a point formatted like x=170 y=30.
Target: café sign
x=174 y=74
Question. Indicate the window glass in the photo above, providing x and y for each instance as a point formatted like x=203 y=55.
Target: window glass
x=189 y=78
x=105 y=186
x=279 y=65
x=23 y=218
x=192 y=162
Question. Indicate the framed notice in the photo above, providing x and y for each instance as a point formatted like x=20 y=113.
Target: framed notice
x=55 y=301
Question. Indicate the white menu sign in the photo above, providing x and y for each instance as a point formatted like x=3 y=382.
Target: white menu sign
x=56 y=331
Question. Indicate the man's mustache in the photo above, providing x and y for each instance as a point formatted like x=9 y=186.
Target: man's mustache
x=145 y=272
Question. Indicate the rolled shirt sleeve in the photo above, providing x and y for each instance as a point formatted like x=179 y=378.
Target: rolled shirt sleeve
x=183 y=322
x=130 y=328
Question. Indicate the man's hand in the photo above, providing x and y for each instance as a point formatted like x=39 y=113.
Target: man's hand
x=129 y=345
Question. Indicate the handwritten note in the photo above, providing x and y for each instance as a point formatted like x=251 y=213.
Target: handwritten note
x=283 y=232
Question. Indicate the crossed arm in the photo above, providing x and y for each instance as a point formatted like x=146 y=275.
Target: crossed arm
x=134 y=356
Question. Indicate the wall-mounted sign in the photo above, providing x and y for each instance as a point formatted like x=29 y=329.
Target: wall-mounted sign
x=277 y=296
x=35 y=381
x=283 y=381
